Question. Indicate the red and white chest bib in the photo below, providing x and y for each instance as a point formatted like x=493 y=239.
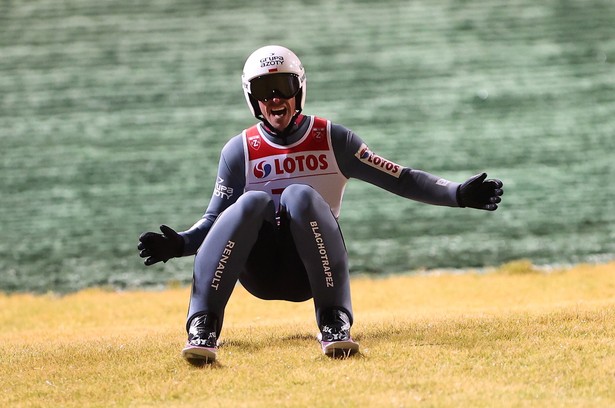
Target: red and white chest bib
x=311 y=160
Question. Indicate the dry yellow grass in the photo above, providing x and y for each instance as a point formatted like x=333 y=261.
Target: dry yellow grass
x=513 y=337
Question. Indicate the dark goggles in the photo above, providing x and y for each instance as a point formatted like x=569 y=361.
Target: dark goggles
x=271 y=86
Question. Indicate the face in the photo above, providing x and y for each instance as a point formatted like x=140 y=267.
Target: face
x=278 y=111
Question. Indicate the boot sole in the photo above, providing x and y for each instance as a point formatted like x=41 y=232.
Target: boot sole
x=199 y=356
x=340 y=349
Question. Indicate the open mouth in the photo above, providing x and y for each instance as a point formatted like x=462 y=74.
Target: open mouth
x=278 y=112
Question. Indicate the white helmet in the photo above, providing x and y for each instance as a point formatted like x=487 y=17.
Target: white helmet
x=273 y=71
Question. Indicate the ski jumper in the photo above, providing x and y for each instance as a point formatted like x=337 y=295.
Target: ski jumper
x=271 y=223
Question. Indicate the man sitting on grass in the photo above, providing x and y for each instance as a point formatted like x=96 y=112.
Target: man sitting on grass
x=271 y=223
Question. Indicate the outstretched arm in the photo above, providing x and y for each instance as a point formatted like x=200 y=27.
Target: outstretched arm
x=230 y=182
x=356 y=160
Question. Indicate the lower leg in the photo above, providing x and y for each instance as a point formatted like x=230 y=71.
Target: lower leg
x=321 y=247
x=223 y=254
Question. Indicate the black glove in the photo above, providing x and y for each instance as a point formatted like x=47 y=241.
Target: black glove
x=479 y=193
x=160 y=247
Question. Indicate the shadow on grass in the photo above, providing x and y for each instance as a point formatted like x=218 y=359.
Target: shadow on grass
x=298 y=339
x=259 y=344
x=202 y=365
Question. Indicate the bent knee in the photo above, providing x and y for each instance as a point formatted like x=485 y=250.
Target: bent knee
x=301 y=197
x=255 y=202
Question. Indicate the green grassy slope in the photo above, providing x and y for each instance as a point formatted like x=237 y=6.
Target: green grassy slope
x=112 y=116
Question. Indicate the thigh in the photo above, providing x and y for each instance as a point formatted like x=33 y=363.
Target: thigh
x=274 y=270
